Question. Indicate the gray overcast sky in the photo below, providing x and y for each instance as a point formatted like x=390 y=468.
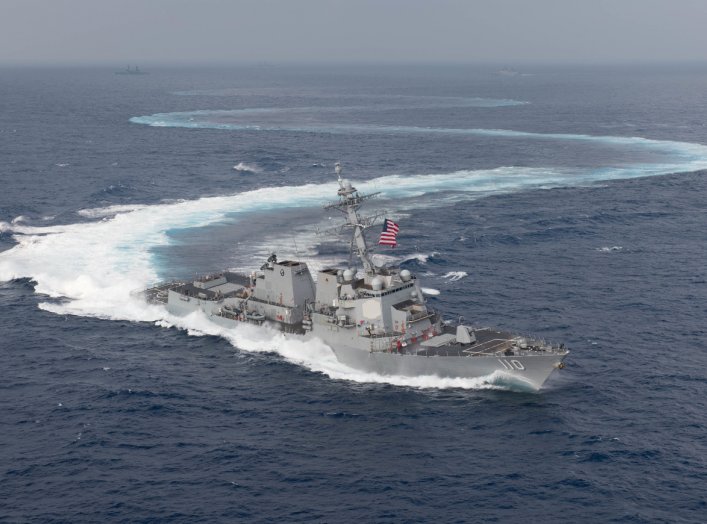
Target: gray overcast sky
x=280 y=31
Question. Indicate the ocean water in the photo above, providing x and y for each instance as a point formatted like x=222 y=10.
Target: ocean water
x=565 y=203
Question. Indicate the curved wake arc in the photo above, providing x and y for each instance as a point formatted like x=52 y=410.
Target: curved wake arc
x=96 y=265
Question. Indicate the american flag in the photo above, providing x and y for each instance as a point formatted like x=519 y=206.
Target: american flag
x=389 y=233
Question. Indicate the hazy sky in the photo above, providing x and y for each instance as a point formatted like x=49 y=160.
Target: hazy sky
x=279 y=31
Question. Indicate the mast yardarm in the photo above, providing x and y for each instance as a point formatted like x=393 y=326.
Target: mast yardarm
x=350 y=201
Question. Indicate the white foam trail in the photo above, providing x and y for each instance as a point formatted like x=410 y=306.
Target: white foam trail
x=609 y=249
x=381 y=258
x=95 y=265
x=454 y=276
x=422 y=258
x=109 y=211
x=242 y=167
x=208 y=119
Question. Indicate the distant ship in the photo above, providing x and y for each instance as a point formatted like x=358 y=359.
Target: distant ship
x=507 y=72
x=375 y=319
x=128 y=71
x=512 y=73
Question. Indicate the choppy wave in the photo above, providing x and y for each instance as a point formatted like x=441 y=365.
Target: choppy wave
x=421 y=258
x=454 y=276
x=101 y=212
x=243 y=167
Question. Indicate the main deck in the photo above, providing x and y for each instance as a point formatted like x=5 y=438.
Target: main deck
x=487 y=342
x=230 y=284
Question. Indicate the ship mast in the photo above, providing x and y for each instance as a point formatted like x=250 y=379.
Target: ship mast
x=350 y=201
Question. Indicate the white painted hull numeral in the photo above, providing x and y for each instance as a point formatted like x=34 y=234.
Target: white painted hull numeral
x=512 y=365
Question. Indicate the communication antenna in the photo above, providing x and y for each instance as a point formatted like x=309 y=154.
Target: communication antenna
x=337 y=170
x=294 y=241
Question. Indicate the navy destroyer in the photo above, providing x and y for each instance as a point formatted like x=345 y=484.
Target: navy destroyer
x=375 y=320
x=128 y=71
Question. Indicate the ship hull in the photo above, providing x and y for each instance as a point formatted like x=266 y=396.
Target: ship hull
x=529 y=370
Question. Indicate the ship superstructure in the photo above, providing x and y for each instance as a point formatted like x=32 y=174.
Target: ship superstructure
x=376 y=320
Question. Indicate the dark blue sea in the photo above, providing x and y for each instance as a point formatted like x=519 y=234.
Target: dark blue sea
x=561 y=202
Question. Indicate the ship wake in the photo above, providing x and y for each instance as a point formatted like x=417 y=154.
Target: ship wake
x=95 y=266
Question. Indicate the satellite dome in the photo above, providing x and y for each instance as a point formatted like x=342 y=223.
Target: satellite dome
x=348 y=275
x=377 y=283
x=405 y=275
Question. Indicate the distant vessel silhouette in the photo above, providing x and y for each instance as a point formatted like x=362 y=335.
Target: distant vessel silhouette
x=507 y=72
x=128 y=71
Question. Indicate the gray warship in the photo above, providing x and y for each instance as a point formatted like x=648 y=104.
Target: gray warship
x=374 y=320
x=128 y=71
